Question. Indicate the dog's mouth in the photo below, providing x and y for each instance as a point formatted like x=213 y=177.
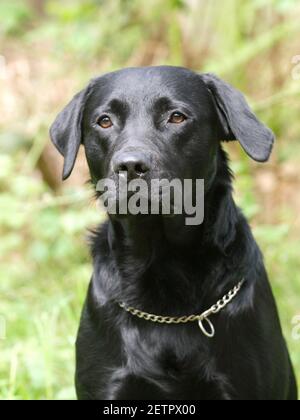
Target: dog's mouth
x=135 y=204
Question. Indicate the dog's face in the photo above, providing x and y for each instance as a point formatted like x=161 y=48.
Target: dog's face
x=155 y=123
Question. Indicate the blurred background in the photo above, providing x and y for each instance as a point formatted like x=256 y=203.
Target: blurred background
x=49 y=49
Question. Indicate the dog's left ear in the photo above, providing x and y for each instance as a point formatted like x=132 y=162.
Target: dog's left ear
x=66 y=133
x=237 y=120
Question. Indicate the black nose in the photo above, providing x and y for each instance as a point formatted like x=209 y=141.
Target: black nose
x=134 y=165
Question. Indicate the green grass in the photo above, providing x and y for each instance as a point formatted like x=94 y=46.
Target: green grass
x=44 y=272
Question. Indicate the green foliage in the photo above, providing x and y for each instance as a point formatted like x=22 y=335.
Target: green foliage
x=44 y=272
x=14 y=15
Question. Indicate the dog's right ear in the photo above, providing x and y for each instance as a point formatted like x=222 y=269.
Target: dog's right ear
x=237 y=120
x=66 y=132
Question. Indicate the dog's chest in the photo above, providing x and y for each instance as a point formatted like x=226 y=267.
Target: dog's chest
x=177 y=358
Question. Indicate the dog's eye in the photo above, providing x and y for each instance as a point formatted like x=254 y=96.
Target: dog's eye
x=177 y=118
x=104 y=121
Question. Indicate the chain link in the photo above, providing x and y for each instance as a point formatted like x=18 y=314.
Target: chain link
x=221 y=304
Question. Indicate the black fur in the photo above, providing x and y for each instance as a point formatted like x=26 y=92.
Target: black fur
x=161 y=266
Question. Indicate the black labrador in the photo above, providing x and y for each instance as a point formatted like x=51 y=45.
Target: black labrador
x=168 y=122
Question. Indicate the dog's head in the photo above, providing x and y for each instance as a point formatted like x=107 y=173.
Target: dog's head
x=157 y=122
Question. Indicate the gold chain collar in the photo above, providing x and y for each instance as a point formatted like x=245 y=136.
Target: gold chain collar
x=204 y=317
